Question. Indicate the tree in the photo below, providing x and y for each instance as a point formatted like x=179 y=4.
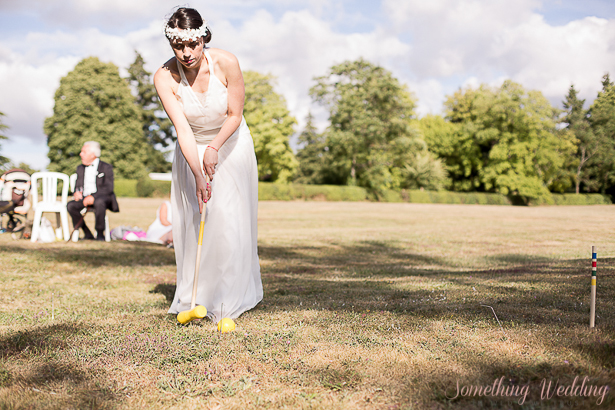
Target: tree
x=3 y=160
x=602 y=120
x=508 y=141
x=271 y=126
x=462 y=158
x=157 y=128
x=22 y=165
x=577 y=122
x=27 y=168
x=370 y=116
x=413 y=166
x=311 y=155
x=94 y=103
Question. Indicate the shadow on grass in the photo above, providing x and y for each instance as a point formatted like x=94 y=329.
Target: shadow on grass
x=529 y=294
x=23 y=350
x=520 y=259
x=364 y=258
x=602 y=352
x=95 y=254
x=165 y=289
x=379 y=277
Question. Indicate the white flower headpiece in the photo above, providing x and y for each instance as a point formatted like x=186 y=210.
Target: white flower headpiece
x=189 y=34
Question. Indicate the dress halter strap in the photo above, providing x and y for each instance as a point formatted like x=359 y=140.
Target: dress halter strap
x=209 y=64
x=181 y=73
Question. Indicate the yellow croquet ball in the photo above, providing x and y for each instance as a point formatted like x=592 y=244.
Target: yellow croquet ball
x=226 y=325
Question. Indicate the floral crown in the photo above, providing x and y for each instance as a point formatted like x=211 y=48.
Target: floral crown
x=189 y=34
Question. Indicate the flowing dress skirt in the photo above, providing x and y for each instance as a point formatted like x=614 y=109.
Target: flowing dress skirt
x=229 y=274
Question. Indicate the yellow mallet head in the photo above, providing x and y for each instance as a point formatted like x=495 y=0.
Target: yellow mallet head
x=199 y=312
x=226 y=325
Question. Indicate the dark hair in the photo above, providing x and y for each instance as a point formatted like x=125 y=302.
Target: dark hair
x=187 y=18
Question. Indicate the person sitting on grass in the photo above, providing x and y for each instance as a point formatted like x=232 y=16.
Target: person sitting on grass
x=161 y=230
x=94 y=187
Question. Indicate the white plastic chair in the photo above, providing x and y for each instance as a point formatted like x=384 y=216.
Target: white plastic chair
x=73 y=182
x=49 y=201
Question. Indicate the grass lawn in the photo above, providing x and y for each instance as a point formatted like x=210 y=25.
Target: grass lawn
x=367 y=305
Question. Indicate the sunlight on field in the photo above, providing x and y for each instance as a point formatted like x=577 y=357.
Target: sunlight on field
x=367 y=305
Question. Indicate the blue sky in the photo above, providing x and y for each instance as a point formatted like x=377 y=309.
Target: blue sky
x=435 y=47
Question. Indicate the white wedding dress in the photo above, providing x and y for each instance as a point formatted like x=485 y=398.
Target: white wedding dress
x=229 y=275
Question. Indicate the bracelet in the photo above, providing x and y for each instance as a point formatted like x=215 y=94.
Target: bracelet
x=215 y=149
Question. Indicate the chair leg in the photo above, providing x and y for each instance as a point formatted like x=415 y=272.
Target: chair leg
x=36 y=225
x=65 y=229
x=107 y=230
x=58 y=225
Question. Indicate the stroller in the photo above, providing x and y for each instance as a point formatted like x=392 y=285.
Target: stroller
x=15 y=187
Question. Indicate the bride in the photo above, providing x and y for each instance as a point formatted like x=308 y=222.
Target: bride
x=202 y=91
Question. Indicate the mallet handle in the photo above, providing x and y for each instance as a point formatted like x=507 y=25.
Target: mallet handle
x=198 y=252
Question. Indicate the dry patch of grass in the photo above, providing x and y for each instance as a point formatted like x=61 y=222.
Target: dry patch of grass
x=366 y=305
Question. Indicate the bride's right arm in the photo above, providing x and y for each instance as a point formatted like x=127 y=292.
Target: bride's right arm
x=163 y=81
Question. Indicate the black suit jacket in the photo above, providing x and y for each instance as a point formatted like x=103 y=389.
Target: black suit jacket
x=104 y=183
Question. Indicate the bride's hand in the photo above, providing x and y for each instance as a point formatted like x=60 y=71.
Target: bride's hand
x=210 y=160
x=203 y=191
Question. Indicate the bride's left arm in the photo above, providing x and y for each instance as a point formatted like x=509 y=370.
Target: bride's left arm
x=236 y=92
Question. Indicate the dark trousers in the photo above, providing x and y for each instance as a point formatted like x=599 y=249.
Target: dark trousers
x=100 y=209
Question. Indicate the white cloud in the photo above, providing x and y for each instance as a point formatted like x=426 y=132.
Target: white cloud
x=434 y=46
x=27 y=94
x=298 y=47
x=491 y=39
x=430 y=94
x=19 y=149
x=294 y=48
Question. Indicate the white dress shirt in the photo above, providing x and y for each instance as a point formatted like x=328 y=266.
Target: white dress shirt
x=89 y=178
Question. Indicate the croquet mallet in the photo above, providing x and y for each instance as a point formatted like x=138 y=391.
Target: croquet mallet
x=196 y=312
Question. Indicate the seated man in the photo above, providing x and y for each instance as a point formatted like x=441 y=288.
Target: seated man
x=94 y=187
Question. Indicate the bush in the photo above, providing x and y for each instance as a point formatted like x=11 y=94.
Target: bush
x=125 y=188
x=390 y=195
x=331 y=192
x=268 y=191
x=162 y=189
x=448 y=197
x=574 y=199
x=145 y=187
x=142 y=188
x=275 y=192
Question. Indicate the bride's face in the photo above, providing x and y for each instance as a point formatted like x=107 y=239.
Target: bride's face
x=189 y=53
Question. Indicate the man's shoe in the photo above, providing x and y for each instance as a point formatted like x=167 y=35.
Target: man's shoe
x=100 y=238
x=89 y=237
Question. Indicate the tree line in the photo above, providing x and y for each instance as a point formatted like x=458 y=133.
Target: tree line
x=490 y=139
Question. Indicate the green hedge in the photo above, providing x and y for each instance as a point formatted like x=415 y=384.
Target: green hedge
x=125 y=188
x=147 y=188
x=573 y=199
x=448 y=197
x=285 y=192
x=142 y=188
x=268 y=191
